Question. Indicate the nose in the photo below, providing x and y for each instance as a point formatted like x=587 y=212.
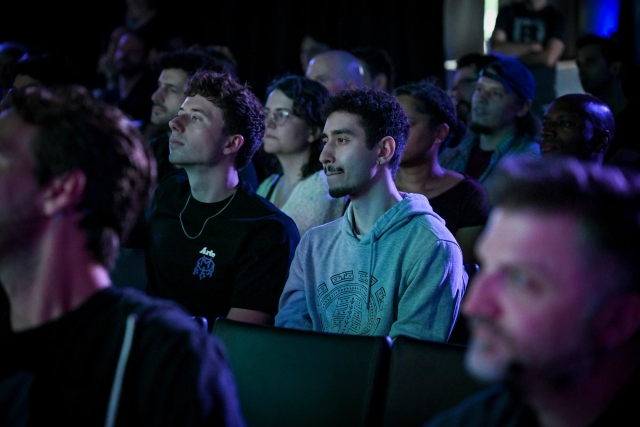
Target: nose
x=326 y=156
x=479 y=300
x=176 y=124
x=269 y=120
x=548 y=129
x=158 y=96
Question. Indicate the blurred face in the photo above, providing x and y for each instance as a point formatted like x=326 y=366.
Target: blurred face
x=493 y=108
x=420 y=145
x=321 y=70
x=130 y=57
x=348 y=163
x=197 y=137
x=169 y=96
x=593 y=70
x=463 y=86
x=565 y=132
x=531 y=304
x=286 y=133
x=19 y=191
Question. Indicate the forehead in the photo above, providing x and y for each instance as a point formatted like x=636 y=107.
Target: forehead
x=491 y=83
x=590 y=51
x=15 y=135
x=550 y=243
x=565 y=108
x=322 y=66
x=466 y=73
x=174 y=76
x=341 y=120
x=410 y=105
x=277 y=99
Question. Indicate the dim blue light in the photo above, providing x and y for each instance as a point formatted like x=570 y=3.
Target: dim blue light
x=604 y=15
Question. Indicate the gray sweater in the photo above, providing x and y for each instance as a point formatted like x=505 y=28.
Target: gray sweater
x=405 y=277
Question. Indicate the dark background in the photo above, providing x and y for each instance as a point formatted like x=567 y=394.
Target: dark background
x=264 y=37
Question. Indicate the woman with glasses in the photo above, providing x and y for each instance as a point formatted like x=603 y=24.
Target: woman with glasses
x=294 y=124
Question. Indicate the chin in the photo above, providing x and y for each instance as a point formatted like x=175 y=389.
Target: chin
x=485 y=365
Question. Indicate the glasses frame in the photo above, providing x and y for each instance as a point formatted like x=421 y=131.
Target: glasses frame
x=279 y=116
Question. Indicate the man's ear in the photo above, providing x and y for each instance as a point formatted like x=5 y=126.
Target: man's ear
x=618 y=319
x=524 y=108
x=386 y=150
x=233 y=144
x=63 y=192
x=602 y=140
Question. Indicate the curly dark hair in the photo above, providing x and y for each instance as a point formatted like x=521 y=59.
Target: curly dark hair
x=380 y=114
x=242 y=111
x=77 y=132
x=308 y=98
x=435 y=102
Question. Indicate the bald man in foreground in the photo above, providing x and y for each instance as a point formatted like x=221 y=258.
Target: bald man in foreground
x=336 y=70
x=577 y=125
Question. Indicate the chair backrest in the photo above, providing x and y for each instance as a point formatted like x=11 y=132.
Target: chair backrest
x=288 y=377
x=425 y=377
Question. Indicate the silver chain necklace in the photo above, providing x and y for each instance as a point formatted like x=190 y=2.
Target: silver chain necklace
x=205 y=221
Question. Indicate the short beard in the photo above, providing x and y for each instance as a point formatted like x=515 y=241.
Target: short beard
x=480 y=129
x=338 y=192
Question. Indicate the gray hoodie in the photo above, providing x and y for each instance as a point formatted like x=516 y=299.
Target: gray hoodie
x=405 y=277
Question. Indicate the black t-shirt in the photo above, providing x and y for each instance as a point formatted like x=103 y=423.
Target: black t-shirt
x=240 y=260
x=464 y=205
x=62 y=373
x=479 y=161
x=523 y=25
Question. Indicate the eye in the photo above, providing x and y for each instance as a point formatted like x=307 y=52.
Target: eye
x=517 y=278
x=195 y=118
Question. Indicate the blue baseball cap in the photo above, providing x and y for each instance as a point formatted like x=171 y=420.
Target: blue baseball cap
x=514 y=76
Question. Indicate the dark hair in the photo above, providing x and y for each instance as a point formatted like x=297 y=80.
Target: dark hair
x=51 y=68
x=380 y=115
x=188 y=61
x=242 y=111
x=435 y=102
x=606 y=198
x=377 y=61
x=591 y=108
x=609 y=47
x=78 y=132
x=308 y=98
x=222 y=59
x=478 y=60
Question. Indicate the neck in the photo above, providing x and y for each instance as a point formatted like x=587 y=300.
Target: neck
x=371 y=203
x=292 y=166
x=489 y=142
x=613 y=96
x=587 y=396
x=50 y=275
x=212 y=184
x=414 y=178
x=536 y=4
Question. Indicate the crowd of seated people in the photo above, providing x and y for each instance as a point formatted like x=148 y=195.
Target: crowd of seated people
x=340 y=202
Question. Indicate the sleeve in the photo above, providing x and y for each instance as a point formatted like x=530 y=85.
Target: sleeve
x=293 y=310
x=263 y=267
x=429 y=301
x=184 y=377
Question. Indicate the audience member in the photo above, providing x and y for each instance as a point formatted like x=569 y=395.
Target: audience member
x=555 y=309
x=49 y=69
x=378 y=67
x=577 y=125
x=389 y=266
x=133 y=82
x=293 y=115
x=601 y=68
x=10 y=54
x=310 y=47
x=459 y=199
x=336 y=70
x=501 y=121
x=175 y=69
x=75 y=175
x=215 y=246
x=534 y=32
x=463 y=84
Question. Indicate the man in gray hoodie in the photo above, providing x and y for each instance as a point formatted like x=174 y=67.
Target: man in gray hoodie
x=389 y=266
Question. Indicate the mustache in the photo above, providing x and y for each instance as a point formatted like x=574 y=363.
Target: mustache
x=332 y=169
x=160 y=105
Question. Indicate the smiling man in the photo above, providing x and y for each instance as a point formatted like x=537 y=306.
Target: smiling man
x=389 y=266
x=555 y=309
x=216 y=247
x=578 y=125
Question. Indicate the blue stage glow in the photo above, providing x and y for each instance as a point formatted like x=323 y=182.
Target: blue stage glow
x=604 y=15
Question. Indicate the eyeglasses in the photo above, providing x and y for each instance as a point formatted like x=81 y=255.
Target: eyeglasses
x=279 y=116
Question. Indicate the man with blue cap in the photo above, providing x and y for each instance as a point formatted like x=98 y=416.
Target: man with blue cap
x=502 y=122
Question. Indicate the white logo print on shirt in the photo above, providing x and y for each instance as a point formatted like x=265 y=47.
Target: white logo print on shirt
x=205 y=265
